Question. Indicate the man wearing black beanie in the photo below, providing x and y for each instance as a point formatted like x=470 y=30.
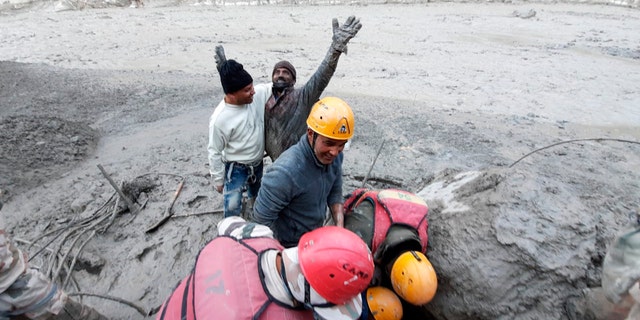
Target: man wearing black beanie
x=236 y=137
x=288 y=107
x=233 y=77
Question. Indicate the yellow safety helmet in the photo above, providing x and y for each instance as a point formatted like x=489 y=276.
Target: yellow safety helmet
x=331 y=117
x=383 y=304
x=413 y=278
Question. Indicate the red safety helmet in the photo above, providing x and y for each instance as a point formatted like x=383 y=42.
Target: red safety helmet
x=337 y=264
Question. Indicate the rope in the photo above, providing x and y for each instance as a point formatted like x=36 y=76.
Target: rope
x=570 y=141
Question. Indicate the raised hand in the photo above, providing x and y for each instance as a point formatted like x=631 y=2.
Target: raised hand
x=219 y=56
x=342 y=34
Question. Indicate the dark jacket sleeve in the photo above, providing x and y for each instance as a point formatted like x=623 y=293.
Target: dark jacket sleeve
x=319 y=80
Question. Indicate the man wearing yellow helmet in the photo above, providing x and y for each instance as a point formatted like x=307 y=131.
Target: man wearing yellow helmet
x=306 y=179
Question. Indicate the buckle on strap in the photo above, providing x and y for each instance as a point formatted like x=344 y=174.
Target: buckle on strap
x=251 y=178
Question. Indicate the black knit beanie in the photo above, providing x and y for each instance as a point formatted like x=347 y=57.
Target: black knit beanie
x=285 y=64
x=233 y=76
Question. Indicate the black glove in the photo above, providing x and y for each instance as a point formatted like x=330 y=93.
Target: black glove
x=342 y=34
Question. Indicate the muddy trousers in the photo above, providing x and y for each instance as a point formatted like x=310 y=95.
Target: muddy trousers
x=240 y=179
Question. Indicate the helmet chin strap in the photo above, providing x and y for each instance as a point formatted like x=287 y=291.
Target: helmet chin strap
x=283 y=275
x=307 y=291
x=313 y=146
x=307 y=294
x=313 y=142
x=307 y=298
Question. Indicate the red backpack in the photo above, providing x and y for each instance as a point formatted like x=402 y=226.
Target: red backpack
x=393 y=208
x=226 y=284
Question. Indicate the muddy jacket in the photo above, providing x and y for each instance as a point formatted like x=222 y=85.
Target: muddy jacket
x=285 y=117
x=226 y=283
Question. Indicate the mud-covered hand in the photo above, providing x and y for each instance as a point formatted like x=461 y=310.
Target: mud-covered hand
x=218 y=186
x=220 y=57
x=343 y=33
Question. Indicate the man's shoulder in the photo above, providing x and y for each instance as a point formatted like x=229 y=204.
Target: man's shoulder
x=287 y=163
x=218 y=109
x=221 y=115
x=294 y=156
x=239 y=228
x=262 y=94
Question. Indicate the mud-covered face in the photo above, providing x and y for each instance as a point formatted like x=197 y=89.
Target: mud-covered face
x=282 y=79
x=325 y=149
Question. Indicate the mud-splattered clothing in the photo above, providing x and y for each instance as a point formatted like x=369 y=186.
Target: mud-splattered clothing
x=285 y=117
x=25 y=291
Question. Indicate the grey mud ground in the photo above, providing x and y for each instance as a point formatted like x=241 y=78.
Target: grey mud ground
x=60 y=119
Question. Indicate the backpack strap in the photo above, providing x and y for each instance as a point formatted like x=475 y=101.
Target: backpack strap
x=352 y=199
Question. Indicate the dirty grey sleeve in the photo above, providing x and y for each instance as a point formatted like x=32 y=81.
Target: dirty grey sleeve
x=320 y=79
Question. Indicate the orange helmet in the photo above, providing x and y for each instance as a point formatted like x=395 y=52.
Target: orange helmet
x=383 y=304
x=413 y=278
x=331 y=117
x=336 y=262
